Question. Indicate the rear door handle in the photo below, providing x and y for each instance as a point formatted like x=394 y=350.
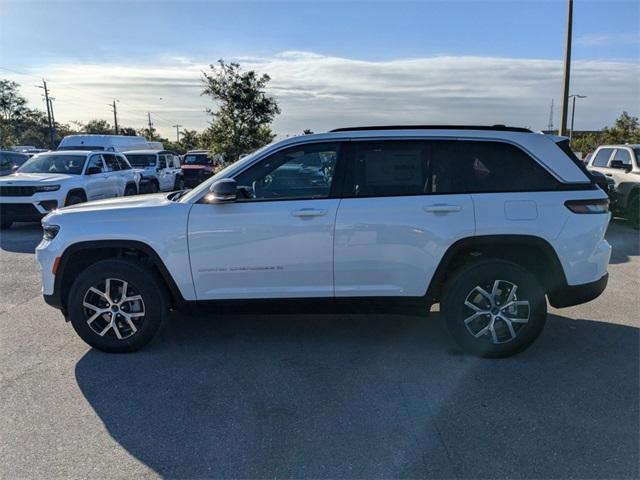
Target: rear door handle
x=442 y=208
x=609 y=174
x=308 y=212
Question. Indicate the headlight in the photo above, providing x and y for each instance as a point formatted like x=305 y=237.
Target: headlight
x=50 y=231
x=46 y=188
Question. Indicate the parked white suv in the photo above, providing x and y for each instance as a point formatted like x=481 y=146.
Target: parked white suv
x=487 y=221
x=51 y=180
x=621 y=164
x=159 y=170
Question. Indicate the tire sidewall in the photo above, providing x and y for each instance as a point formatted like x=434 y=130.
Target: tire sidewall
x=73 y=199
x=483 y=273
x=140 y=278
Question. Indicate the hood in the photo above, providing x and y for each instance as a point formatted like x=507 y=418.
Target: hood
x=134 y=201
x=24 y=179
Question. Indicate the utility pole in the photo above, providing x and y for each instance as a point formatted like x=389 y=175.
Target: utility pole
x=177 y=125
x=150 y=126
x=550 y=125
x=115 y=115
x=567 y=72
x=573 y=113
x=47 y=101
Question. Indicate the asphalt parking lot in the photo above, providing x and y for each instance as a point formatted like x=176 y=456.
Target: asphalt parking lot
x=322 y=396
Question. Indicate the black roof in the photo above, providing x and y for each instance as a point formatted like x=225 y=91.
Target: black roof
x=501 y=128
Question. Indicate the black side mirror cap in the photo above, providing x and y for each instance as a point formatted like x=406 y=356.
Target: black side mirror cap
x=223 y=191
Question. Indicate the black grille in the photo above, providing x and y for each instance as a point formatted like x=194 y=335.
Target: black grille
x=19 y=210
x=11 y=191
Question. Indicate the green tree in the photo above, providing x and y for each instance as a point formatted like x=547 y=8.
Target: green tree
x=189 y=140
x=242 y=121
x=625 y=130
x=12 y=105
x=97 y=127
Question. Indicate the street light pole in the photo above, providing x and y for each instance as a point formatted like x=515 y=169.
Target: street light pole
x=573 y=113
x=567 y=72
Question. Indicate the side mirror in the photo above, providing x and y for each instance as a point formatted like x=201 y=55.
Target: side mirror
x=223 y=191
x=619 y=165
x=93 y=170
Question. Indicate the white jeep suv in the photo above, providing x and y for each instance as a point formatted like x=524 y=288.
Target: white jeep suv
x=159 y=170
x=51 y=180
x=487 y=221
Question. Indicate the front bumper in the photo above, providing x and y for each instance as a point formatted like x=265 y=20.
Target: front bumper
x=570 y=295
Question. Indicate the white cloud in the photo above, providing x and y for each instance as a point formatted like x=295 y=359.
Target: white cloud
x=602 y=39
x=321 y=92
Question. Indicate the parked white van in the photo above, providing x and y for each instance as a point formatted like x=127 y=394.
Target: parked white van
x=109 y=143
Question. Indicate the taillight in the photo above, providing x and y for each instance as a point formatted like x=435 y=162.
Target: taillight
x=600 y=205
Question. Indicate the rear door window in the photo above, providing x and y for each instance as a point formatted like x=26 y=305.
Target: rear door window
x=602 y=157
x=623 y=156
x=112 y=163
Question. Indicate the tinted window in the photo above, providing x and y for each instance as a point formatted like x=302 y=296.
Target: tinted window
x=141 y=160
x=478 y=167
x=602 y=157
x=197 y=159
x=623 y=155
x=423 y=167
x=95 y=162
x=112 y=163
x=123 y=163
x=298 y=172
x=387 y=168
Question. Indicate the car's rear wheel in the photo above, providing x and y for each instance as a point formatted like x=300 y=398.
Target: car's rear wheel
x=117 y=305
x=153 y=187
x=494 y=308
x=179 y=185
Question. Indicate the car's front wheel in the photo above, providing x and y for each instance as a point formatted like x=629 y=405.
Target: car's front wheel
x=117 y=305
x=494 y=308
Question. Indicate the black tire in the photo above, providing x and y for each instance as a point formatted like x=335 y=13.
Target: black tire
x=5 y=223
x=462 y=287
x=74 y=199
x=130 y=190
x=153 y=187
x=141 y=281
x=179 y=184
x=633 y=211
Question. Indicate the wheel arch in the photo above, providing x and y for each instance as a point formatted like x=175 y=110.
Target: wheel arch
x=80 y=255
x=531 y=252
x=76 y=191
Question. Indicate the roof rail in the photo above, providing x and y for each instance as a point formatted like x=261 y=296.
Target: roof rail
x=502 y=128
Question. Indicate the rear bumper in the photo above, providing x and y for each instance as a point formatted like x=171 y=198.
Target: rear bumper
x=570 y=295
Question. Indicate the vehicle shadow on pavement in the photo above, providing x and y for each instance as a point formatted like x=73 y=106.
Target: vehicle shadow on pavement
x=21 y=238
x=344 y=396
x=624 y=240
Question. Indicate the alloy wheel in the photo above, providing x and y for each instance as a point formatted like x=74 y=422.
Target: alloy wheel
x=496 y=312
x=114 y=308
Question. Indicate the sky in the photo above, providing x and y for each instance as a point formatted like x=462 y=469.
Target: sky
x=331 y=63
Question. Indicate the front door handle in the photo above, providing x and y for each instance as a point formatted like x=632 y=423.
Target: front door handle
x=308 y=212
x=442 y=208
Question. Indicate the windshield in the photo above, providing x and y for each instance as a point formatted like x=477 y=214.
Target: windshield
x=141 y=160
x=8 y=160
x=197 y=159
x=69 y=164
